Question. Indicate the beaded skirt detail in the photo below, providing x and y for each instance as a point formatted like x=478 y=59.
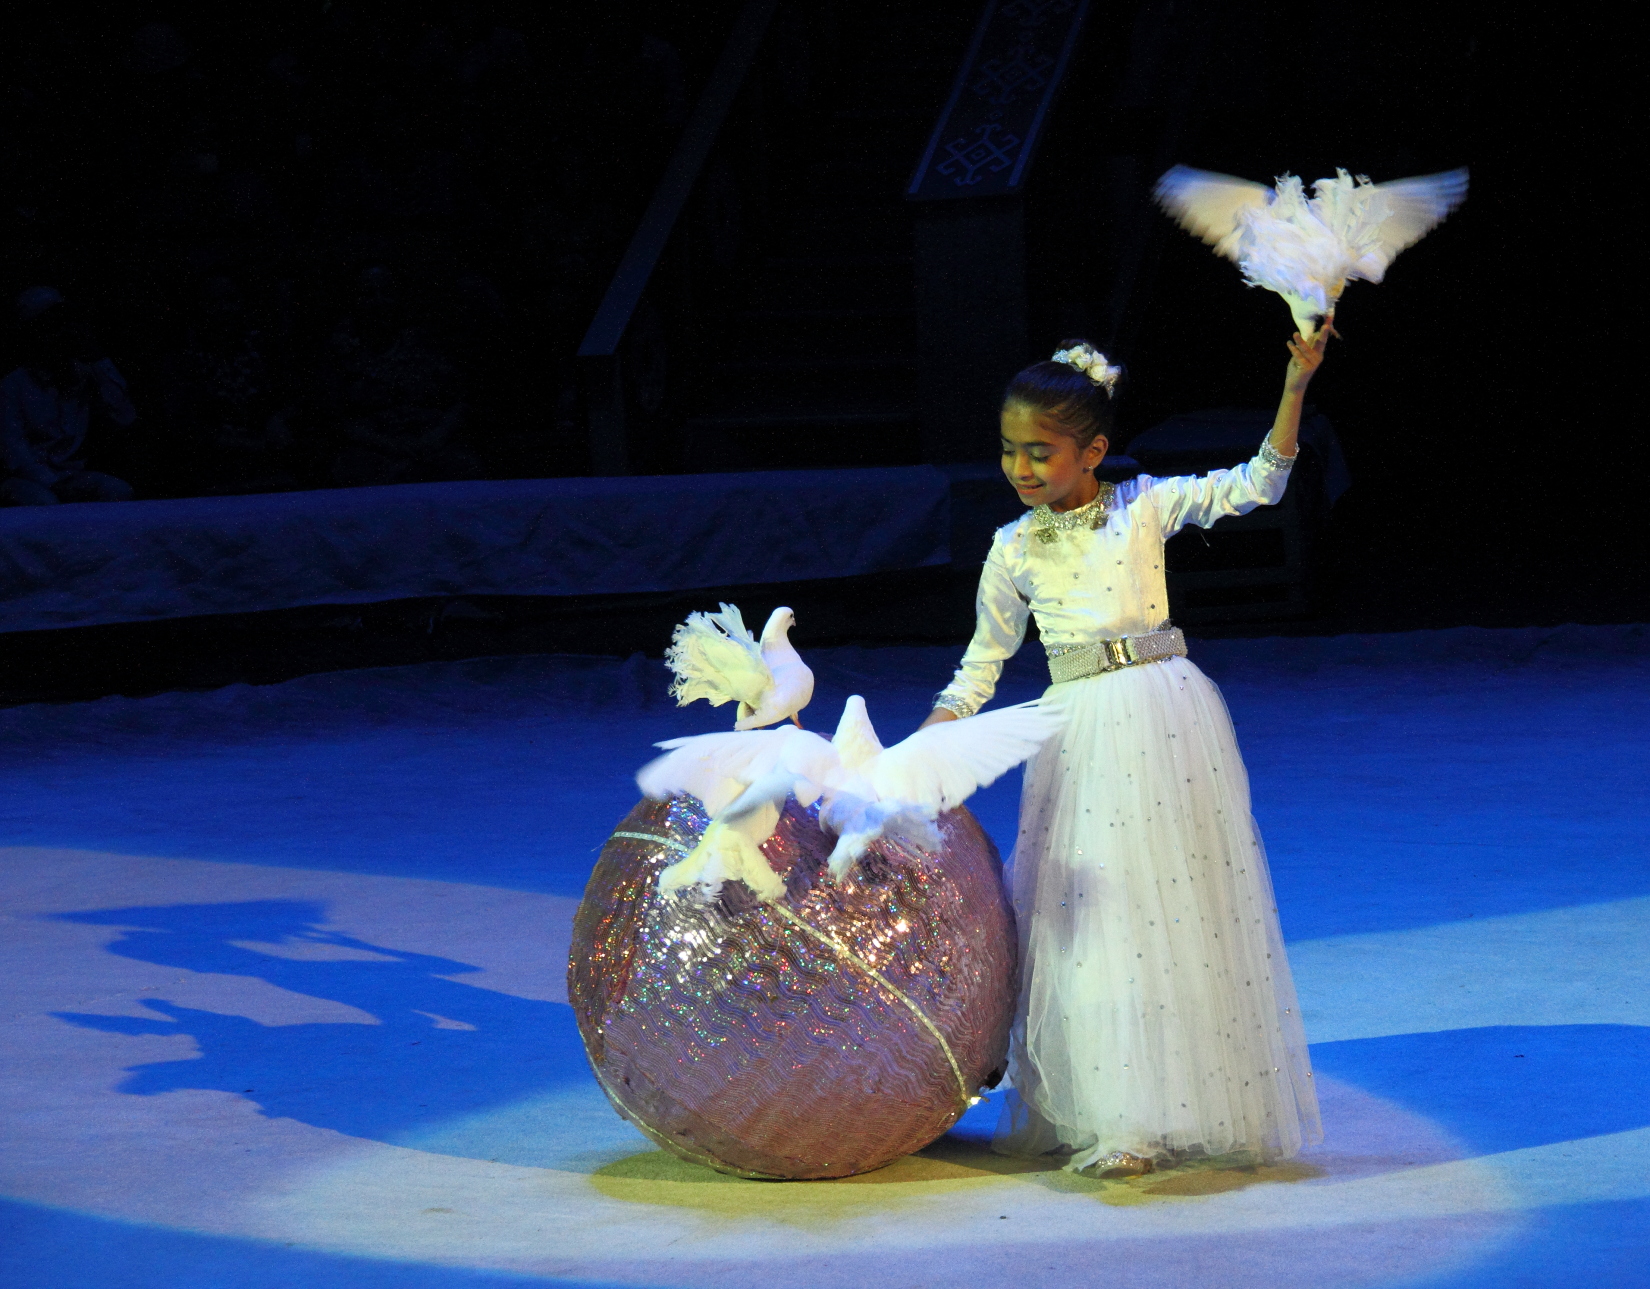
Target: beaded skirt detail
x=1156 y=1012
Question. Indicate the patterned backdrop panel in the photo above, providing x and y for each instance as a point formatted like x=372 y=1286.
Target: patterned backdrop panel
x=983 y=142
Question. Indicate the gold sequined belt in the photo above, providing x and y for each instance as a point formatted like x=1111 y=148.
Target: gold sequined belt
x=1073 y=662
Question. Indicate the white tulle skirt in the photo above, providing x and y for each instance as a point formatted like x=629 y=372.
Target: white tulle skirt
x=1156 y=1015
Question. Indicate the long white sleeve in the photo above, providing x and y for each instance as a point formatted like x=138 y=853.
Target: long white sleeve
x=1000 y=628
x=1202 y=499
x=1097 y=584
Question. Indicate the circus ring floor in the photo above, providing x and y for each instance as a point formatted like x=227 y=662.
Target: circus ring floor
x=283 y=971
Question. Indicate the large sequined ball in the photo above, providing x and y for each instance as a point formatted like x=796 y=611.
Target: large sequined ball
x=829 y=1033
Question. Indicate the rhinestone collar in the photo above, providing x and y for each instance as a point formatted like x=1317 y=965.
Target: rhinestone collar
x=1049 y=524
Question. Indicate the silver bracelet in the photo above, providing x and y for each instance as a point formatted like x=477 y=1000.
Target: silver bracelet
x=956 y=706
x=1272 y=457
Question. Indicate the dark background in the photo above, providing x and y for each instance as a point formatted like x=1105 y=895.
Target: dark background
x=493 y=159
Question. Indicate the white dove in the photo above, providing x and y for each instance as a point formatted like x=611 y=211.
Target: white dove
x=721 y=769
x=869 y=791
x=901 y=790
x=715 y=657
x=1307 y=250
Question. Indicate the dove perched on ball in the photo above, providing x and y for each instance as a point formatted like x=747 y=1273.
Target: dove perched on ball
x=1308 y=249
x=720 y=769
x=902 y=790
x=868 y=791
x=716 y=658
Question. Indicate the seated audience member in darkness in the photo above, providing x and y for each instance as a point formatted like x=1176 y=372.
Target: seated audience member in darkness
x=395 y=396
x=222 y=402
x=47 y=406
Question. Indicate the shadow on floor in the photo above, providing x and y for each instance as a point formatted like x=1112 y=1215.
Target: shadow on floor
x=44 y=1248
x=1506 y=1087
x=440 y=1048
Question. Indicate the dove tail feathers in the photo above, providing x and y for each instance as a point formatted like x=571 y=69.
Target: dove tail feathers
x=860 y=825
x=715 y=657
x=723 y=854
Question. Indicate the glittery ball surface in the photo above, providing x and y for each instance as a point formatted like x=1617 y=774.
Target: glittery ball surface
x=827 y=1034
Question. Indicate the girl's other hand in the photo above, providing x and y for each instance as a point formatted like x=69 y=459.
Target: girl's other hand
x=1306 y=356
x=938 y=715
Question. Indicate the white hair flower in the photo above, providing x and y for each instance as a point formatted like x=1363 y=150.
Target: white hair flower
x=1092 y=363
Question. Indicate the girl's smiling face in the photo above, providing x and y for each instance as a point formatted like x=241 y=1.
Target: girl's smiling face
x=1045 y=463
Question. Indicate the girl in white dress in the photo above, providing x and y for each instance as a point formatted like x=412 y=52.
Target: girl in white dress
x=1157 y=1021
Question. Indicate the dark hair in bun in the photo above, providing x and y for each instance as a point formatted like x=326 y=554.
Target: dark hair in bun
x=1081 y=406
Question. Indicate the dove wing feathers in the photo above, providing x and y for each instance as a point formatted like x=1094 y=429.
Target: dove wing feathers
x=941 y=766
x=716 y=768
x=1417 y=206
x=1207 y=204
x=806 y=764
x=810 y=757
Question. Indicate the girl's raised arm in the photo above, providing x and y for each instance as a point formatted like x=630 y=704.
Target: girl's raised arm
x=1200 y=500
x=1305 y=357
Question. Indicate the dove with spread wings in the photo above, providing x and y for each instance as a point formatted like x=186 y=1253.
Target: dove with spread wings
x=1308 y=249
x=866 y=791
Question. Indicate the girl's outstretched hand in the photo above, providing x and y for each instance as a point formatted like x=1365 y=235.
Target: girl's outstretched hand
x=1306 y=356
